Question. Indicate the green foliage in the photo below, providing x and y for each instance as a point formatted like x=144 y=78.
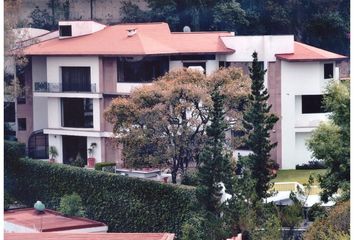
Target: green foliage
x=13 y=151
x=78 y=161
x=330 y=142
x=190 y=178
x=99 y=166
x=291 y=216
x=71 y=205
x=229 y=16
x=7 y=200
x=316 y=211
x=214 y=162
x=335 y=226
x=124 y=204
x=41 y=19
x=258 y=121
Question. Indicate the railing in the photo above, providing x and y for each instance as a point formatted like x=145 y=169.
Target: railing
x=59 y=87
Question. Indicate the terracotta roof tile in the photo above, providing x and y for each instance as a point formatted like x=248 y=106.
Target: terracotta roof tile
x=49 y=221
x=89 y=236
x=304 y=52
x=150 y=39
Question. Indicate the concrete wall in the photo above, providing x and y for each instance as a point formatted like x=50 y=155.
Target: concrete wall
x=54 y=65
x=299 y=78
x=79 y=28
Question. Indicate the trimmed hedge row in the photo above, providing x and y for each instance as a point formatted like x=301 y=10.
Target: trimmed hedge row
x=99 y=166
x=124 y=204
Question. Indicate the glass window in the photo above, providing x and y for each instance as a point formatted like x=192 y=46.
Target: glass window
x=77 y=112
x=76 y=79
x=144 y=70
x=328 y=70
x=21 y=122
x=38 y=145
x=65 y=30
x=312 y=104
x=9 y=112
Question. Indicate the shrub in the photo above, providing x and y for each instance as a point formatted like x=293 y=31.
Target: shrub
x=124 y=204
x=335 y=226
x=99 y=166
x=311 y=165
x=7 y=200
x=190 y=178
x=291 y=216
x=13 y=150
x=316 y=211
x=71 y=205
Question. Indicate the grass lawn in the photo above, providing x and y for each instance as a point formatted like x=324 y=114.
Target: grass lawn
x=300 y=176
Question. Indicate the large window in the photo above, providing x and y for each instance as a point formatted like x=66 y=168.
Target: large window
x=328 y=70
x=312 y=104
x=38 y=145
x=77 y=112
x=144 y=70
x=76 y=79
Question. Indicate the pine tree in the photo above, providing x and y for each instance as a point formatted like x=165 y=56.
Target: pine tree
x=258 y=121
x=215 y=163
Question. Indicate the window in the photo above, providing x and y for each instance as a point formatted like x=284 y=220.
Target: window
x=77 y=112
x=21 y=122
x=328 y=70
x=38 y=145
x=193 y=57
x=195 y=64
x=312 y=104
x=76 y=79
x=224 y=64
x=9 y=112
x=65 y=30
x=144 y=70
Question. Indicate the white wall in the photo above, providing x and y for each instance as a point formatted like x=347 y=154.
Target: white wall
x=175 y=65
x=54 y=70
x=54 y=113
x=96 y=115
x=302 y=154
x=126 y=88
x=79 y=28
x=266 y=47
x=56 y=141
x=40 y=113
x=97 y=151
x=298 y=78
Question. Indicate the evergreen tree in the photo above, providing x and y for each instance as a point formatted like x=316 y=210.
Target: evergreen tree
x=214 y=162
x=259 y=121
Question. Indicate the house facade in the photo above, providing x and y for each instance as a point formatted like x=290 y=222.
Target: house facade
x=75 y=76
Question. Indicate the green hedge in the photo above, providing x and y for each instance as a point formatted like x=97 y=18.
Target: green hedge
x=99 y=166
x=13 y=150
x=124 y=204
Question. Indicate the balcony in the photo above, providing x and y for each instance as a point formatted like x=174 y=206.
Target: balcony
x=60 y=87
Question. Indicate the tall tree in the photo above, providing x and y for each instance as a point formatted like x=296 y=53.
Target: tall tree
x=258 y=121
x=172 y=114
x=331 y=142
x=214 y=160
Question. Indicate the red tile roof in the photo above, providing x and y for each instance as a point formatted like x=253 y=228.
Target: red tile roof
x=49 y=221
x=304 y=52
x=89 y=236
x=150 y=39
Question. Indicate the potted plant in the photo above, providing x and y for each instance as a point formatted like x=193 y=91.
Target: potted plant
x=91 y=160
x=53 y=152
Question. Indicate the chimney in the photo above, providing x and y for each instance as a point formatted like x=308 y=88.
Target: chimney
x=131 y=32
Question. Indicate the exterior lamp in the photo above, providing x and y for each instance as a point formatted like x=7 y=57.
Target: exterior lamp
x=39 y=206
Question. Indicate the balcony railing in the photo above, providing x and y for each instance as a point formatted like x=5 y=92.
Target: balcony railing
x=59 y=87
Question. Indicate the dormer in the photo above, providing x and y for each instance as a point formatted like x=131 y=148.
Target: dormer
x=68 y=29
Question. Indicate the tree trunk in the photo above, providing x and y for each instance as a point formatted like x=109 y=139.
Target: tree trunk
x=174 y=176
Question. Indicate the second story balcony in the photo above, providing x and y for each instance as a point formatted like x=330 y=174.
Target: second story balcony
x=61 y=87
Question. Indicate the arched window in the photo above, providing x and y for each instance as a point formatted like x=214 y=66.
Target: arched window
x=38 y=145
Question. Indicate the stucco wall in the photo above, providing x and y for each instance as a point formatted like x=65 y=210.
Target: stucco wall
x=56 y=141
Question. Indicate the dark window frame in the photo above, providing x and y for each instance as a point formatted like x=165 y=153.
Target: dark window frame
x=328 y=70
x=65 y=30
x=312 y=104
x=143 y=71
x=22 y=124
x=75 y=116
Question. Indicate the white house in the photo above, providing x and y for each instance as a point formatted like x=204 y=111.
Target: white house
x=75 y=76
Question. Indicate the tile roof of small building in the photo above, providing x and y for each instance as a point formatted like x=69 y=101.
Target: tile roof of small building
x=89 y=236
x=49 y=221
x=150 y=39
x=304 y=52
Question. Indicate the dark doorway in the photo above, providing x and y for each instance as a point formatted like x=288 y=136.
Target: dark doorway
x=74 y=147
